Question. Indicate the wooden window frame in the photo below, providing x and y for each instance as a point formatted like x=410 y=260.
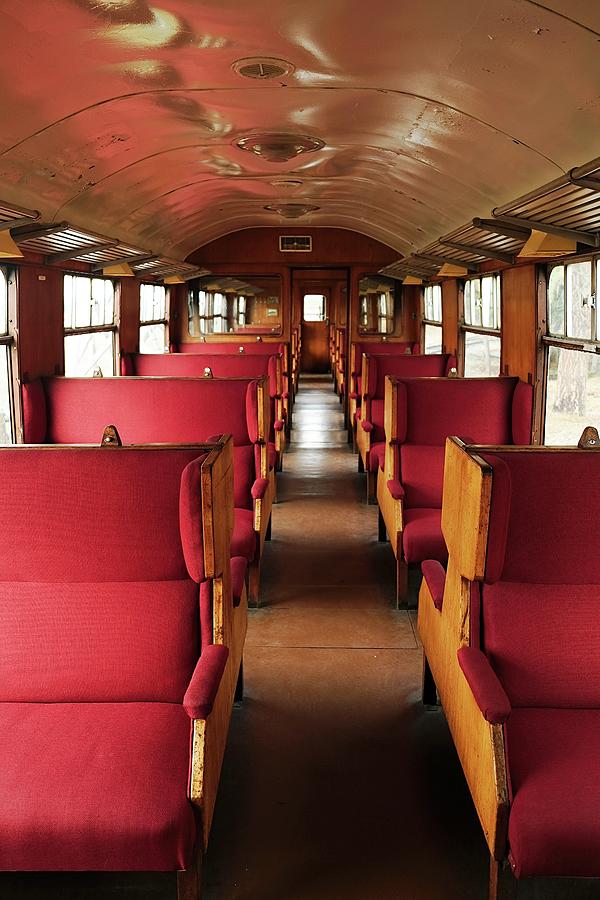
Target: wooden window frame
x=162 y=321
x=98 y=329
x=464 y=328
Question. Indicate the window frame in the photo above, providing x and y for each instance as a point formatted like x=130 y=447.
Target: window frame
x=465 y=328
x=426 y=321
x=9 y=339
x=97 y=329
x=162 y=321
x=547 y=341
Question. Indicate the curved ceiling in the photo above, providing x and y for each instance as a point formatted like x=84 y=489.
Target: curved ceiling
x=121 y=116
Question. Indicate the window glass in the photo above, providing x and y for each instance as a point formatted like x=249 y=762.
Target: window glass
x=314 y=308
x=433 y=303
x=482 y=302
x=482 y=355
x=377 y=305
x=572 y=395
x=6 y=433
x=579 y=302
x=235 y=304
x=3 y=303
x=556 y=300
x=153 y=303
x=153 y=338
x=89 y=353
x=433 y=339
x=5 y=404
x=89 y=303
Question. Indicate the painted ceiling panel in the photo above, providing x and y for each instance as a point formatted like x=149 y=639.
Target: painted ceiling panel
x=121 y=115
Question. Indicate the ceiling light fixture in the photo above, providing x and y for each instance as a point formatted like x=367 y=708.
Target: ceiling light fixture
x=541 y=245
x=8 y=248
x=119 y=270
x=291 y=210
x=278 y=147
x=263 y=68
x=449 y=270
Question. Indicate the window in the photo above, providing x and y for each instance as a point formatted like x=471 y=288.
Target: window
x=377 y=305
x=314 y=308
x=235 y=304
x=6 y=408
x=432 y=318
x=153 y=318
x=481 y=327
x=572 y=352
x=90 y=329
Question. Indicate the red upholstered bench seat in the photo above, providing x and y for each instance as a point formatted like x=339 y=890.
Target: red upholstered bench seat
x=424 y=413
x=370 y=429
x=539 y=604
x=174 y=410
x=109 y=560
x=554 y=826
x=218 y=365
x=95 y=786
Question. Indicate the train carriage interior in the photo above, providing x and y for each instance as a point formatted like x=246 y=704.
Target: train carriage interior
x=299 y=451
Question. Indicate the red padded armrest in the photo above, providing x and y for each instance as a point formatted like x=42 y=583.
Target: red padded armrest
x=435 y=579
x=485 y=685
x=278 y=424
x=366 y=425
x=202 y=690
x=395 y=488
x=354 y=396
x=259 y=488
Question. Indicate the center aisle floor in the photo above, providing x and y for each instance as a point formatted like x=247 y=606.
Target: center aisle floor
x=337 y=785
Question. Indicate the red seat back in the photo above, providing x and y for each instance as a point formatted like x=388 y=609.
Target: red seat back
x=542 y=593
x=96 y=600
x=149 y=411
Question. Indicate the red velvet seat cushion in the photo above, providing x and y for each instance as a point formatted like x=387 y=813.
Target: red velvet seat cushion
x=99 y=786
x=243 y=541
x=554 y=825
x=377 y=456
x=422 y=536
x=541 y=659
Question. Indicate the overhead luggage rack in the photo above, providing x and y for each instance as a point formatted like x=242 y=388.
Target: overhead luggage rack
x=60 y=242
x=570 y=204
x=13 y=216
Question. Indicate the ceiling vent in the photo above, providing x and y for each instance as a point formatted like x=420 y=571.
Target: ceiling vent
x=278 y=147
x=263 y=68
x=287 y=184
x=291 y=210
x=294 y=243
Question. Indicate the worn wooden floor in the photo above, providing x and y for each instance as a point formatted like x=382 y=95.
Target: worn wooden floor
x=337 y=785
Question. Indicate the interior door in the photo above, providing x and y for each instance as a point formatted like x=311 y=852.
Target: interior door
x=315 y=329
